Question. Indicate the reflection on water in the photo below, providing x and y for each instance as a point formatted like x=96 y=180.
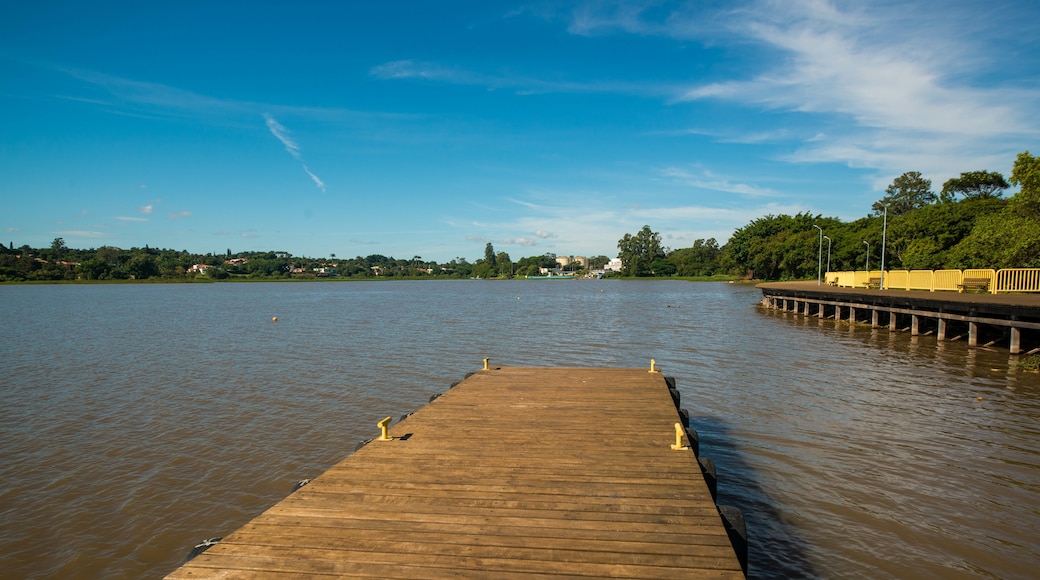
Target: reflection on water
x=138 y=420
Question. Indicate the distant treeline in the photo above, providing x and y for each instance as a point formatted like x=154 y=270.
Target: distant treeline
x=968 y=224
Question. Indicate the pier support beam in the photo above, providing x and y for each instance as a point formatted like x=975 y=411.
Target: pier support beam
x=940 y=333
x=852 y=315
x=837 y=312
x=873 y=318
x=915 y=325
x=1016 y=340
x=892 y=321
x=973 y=334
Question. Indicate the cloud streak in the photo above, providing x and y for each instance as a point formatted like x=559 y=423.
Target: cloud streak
x=888 y=89
x=283 y=135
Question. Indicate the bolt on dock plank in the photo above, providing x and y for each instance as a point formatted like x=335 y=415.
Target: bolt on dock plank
x=515 y=472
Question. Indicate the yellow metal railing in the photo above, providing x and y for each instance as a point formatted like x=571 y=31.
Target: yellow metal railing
x=1018 y=280
x=1005 y=280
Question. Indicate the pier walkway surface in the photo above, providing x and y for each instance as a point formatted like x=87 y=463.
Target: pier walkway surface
x=1027 y=302
x=514 y=472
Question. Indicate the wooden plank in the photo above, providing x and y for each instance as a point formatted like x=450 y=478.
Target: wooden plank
x=515 y=472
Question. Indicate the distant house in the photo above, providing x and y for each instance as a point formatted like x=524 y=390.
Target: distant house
x=614 y=265
x=199 y=269
x=325 y=271
x=236 y=261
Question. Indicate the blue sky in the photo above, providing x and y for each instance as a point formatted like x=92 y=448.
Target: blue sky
x=432 y=128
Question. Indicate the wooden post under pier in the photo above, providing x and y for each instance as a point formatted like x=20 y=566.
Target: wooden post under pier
x=513 y=472
x=1015 y=316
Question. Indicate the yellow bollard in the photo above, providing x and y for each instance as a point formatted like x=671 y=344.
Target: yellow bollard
x=382 y=426
x=653 y=366
x=678 y=438
x=486 y=359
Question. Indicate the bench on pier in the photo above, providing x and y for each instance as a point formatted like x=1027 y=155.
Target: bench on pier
x=873 y=283
x=973 y=283
x=833 y=282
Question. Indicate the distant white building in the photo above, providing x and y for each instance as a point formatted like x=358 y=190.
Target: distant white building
x=614 y=265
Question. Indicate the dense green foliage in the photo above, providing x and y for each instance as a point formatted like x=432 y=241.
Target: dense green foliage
x=107 y=263
x=924 y=231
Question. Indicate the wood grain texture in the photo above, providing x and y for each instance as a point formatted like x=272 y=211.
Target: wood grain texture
x=515 y=472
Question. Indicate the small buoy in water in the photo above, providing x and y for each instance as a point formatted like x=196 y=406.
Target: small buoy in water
x=517 y=297
x=274 y=319
x=979 y=399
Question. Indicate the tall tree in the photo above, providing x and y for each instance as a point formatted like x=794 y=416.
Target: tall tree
x=58 y=248
x=975 y=185
x=489 y=255
x=638 y=252
x=503 y=263
x=1026 y=175
x=907 y=192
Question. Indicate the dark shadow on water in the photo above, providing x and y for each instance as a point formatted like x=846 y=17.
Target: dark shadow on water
x=775 y=549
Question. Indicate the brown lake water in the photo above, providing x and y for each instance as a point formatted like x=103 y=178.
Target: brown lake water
x=137 y=420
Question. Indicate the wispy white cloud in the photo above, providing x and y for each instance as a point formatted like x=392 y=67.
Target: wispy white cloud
x=131 y=219
x=881 y=81
x=519 y=241
x=283 y=135
x=82 y=234
x=176 y=215
x=904 y=89
x=705 y=179
x=315 y=178
x=146 y=209
x=520 y=84
x=410 y=69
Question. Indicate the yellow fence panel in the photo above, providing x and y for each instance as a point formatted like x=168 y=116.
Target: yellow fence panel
x=949 y=279
x=897 y=280
x=1005 y=280
x=841 y=278
x=1017 y=280
x=919 y=280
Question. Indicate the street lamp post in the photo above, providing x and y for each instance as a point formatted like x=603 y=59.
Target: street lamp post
x=828 y=254
x=866 y=265
x=884 y=232
x=819 y=259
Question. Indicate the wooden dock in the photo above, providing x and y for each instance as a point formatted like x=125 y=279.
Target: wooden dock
x=514 y=472
x=1007 y=319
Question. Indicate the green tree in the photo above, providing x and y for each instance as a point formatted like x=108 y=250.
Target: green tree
x=504 y=264
x=598 y=262
x=142 y=267
x=1026 y=175
x=1007 y=239
x=638 y=252
x=489 y=255
x=779 y=247
x=975 y=184
x=700 y=260
x=907 y=192
x=58 y=248
x=93 y=269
